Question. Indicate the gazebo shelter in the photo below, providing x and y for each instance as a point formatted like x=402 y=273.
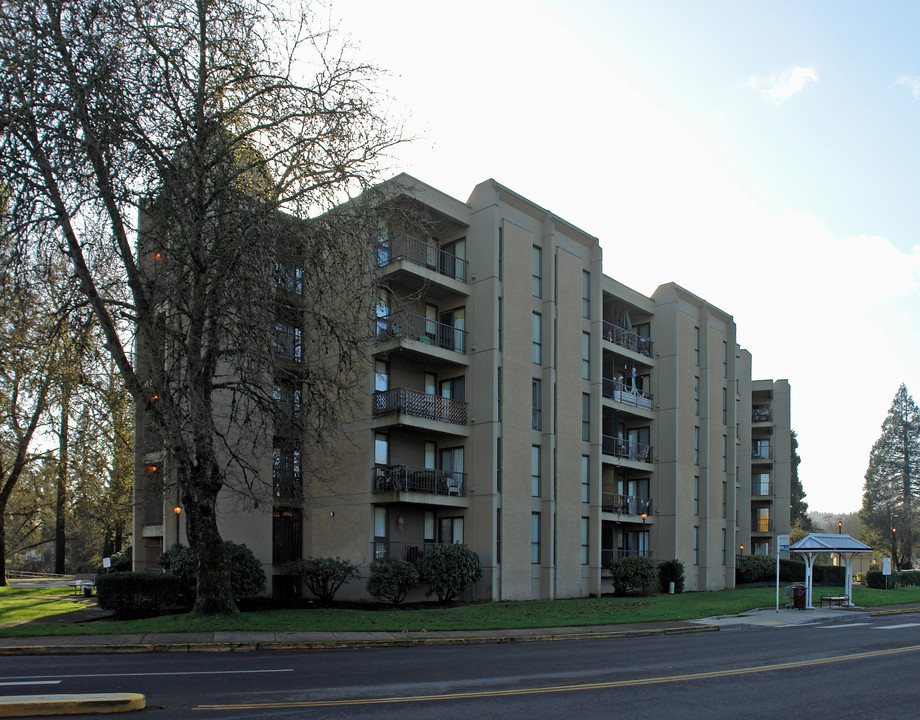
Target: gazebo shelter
x=814 y=544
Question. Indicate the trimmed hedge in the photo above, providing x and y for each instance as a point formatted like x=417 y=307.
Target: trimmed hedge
x=136 y=593
x=762 y=568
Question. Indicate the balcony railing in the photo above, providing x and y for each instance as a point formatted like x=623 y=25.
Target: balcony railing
x=626 y=449
x=760 y=489
x=405 y=247
x=623 y=393
x=408 y=478
x=627 y=339
x=761 y=414
x=408 y=551
x=626 y=504
x=762 y=451
x=610 y=554
x=418 y=327
x=419 y=404
x=761 y=525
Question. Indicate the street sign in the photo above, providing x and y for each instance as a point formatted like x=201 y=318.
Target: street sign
x=886 y=566
x=782 y=543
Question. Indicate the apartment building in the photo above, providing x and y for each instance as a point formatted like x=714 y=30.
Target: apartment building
x=522 y=402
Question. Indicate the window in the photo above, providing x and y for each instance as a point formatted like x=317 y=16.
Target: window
x=537 y=339
x=725 y=406
x=696 y=495
x=585 y=294
x=586 y=356
x=289 y=278
x=286 y=471
x=586 y=417
x=536 y=419
x=454 y=388
x=696 y=445
x=288 y=341
x=381 y=376
x=535 y=538
x=696 y=345
x=501 y=248
x=453 y=259
x=380 y=533
x=537 y=272
x=498 y=536
x=696 y=396
x=381 y=449
x=288 y=401
x=498 y=393
x=760 y=484
x=382 y=311
x=585 y=479
x=431 y=322
x=499 y=322
x=429 y=526
x=450 y=531
x=724 y=359
x=724 y=499
x=696 y=545
x=287 y=534
x=724 y=547
x=453 y=335
x=761 y=520
x=584 y=540
x=535 y=471
x=498 y=464
x=725 y=453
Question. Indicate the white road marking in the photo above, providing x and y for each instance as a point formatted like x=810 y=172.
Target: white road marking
x=31 y=682
x=896 y=627
x=841 y=625
x=148 y=674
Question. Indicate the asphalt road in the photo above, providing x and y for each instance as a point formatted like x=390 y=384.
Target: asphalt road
x=865 y=669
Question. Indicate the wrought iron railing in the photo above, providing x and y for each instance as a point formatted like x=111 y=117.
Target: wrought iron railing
x=761 y=525
x=761 y=414
x=610 y=554
x=417 y=327
x=762 y=451
x=405 y=247
x=626 y=504
x=626 y=449
x=622 y=393
x=627 y=339
x=759 y=489
x=409 y=551
x=409 y=478
x=420 y=404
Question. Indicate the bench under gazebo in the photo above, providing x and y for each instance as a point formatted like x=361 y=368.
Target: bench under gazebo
x=845 y=546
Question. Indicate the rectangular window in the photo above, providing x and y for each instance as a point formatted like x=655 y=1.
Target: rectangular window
x=537 y=272
x=725 y=453
x=429 y=526
x=584 y=540
x=536 y=402
x=724 y=547
x=696 y=495
x=585 y=294
x=498 y=536
x=696 y=345
x=288 y=402
x=381 y=449
x=498 y=464
x=725 y=406
x=431 y=449
x=696 y=545
x=501 y=248
x=696 y=396
x=380 y=533
x=724 y=359
x=724 y=499
x=500 y=311
x=535 y=538
x=586 y=417
x=760 y=484
x=286 y=471
x=696 y=445
x=288 y=342
x=537 y=339
x=498 y=393
x=586 y=356
x=381 y=376
x=535 y=471
x=287 y=535
x=585 y=479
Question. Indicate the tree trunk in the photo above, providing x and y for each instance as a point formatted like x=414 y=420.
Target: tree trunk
x=3 y=544
x=60 y=534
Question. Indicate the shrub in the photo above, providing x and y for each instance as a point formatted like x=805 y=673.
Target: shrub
x=755 y=568
x=671 y=571
x=830 y=574
x=632 y=571
x=791 y=570
x=136 y=593
x=392 y=579
x=448 y=569
x=247 y=579
x=875 y=579
x=910 y=577
x=324 y=577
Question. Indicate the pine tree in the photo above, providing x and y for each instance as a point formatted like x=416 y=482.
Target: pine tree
x=797 y=505
x=890 y=493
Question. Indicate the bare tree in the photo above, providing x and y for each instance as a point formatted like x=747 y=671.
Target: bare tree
x=228 y=124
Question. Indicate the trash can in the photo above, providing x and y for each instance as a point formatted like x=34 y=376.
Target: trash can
x=798 y=597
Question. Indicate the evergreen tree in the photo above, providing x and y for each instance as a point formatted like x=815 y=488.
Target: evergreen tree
x=892 y=482
x=797 y=506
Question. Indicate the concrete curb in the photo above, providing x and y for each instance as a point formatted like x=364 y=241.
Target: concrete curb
x=339 y=644
x=45 y=705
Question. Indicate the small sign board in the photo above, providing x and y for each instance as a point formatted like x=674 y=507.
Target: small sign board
x=782 y=543
x=107 y=562
x=886 y=566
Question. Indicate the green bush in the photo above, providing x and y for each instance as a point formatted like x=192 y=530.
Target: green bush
x=755 y=568
x=448 y=569
x=791 y=571
x=829 y=574
x=392 y=579
x=633 y=571
x=910 y=577
x=875 y=579
x=247 y=579
x=671 y=571
x=131 y=594
x=324 y=577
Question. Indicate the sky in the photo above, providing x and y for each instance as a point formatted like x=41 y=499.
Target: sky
x=762 y=155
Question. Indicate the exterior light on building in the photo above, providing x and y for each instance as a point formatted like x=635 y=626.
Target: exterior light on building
x=839 y=526
x=178 y=511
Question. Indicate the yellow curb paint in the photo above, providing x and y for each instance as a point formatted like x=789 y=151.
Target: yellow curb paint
x=85 y=704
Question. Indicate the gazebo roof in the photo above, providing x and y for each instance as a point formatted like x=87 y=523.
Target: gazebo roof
x=829 y=542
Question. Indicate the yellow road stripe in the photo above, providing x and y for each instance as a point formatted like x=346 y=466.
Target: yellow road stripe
x=566 y=688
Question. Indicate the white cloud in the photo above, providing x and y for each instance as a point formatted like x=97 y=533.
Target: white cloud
x=777 y=88
x=912 y=82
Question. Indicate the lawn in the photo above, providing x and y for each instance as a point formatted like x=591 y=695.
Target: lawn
x=477 y=616
x=22 y=604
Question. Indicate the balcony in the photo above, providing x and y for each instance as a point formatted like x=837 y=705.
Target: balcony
x=608 y=555
x=761 y=525
x=622 y=393
x=626 y=504
x=626 y=449
x=420 y=405
x=627 y=339
x=761 y=489
x=399 y=249
x=761 y=451
x=408 y=478
x=418 y=328
x=410 y=551
x=761 y=414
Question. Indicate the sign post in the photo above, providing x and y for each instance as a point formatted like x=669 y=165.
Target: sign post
x=886 y=569
x=782 y=545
